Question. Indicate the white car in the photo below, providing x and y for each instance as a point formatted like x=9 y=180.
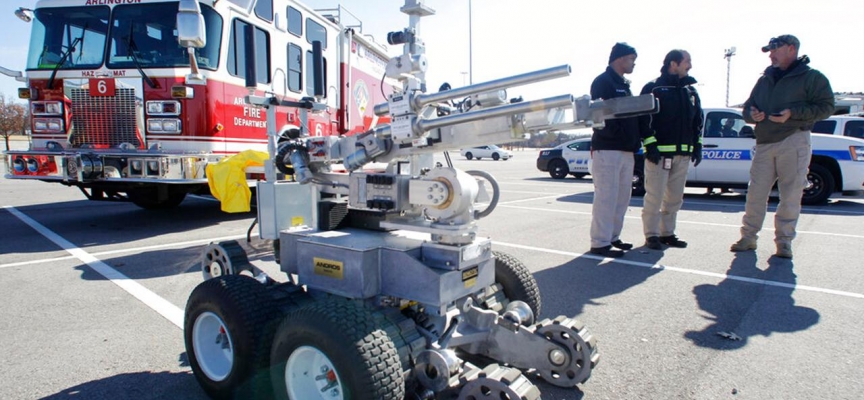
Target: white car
x=491 y=151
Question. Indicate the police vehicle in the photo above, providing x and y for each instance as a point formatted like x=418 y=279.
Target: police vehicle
x=728 y=145
x=836 y=166
x=570 y=157
x=845 y=125
x=574 y=158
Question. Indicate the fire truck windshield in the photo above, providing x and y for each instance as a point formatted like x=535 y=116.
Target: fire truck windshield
x=150 y=28
x=56 y=29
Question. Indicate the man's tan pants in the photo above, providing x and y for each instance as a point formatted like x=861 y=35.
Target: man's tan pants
x=786 y=163
x=664 y=195
x=612 y=173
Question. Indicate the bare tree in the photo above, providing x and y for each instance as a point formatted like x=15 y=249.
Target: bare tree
x=13 y=119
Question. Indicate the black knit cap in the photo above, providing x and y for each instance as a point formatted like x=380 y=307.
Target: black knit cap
x=620 y=49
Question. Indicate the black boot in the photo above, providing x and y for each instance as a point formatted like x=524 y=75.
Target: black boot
x=618 y=244
x=606 y=251
x=673 y=241
x=653 y=243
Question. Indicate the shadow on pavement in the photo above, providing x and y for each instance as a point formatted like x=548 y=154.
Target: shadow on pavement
x=172 y=261
x=731 y=204
x=86 y=223
x=591 y=279
x=136 y=385
x=749 y=309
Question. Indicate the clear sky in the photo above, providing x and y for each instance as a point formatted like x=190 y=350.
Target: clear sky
x=516 y=36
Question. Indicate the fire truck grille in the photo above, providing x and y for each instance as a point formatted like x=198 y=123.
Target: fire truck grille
x=104 y=121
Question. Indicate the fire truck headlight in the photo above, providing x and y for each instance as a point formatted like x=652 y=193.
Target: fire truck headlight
x=154 y=125
x=47 y=125
x=46 y=108
x=163 y=107
x=164 y=125
x=54 y=108
x=171 y=125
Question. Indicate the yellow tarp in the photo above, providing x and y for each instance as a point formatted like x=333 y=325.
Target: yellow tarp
x=227 y=179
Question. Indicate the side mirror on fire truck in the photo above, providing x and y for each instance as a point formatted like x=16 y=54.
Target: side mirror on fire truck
x=190 y=25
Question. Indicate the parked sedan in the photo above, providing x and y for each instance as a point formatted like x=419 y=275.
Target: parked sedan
x=574 y=158
x=567 y=158
x=491 y=151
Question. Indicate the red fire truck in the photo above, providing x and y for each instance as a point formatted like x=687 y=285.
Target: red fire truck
x=125 y=112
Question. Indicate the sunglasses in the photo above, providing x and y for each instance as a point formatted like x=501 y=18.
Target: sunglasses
x=776 y=43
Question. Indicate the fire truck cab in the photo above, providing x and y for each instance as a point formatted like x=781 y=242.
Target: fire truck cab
x=127 y=104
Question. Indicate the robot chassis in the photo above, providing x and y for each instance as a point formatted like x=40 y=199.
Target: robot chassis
x=395 y=296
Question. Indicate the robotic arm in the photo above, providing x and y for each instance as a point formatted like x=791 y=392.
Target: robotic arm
x=428 y=198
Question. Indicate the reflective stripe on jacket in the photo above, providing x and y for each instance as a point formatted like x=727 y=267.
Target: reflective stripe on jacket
x=677 y=128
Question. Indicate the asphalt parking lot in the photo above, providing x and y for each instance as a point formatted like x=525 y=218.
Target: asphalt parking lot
x=93 y=293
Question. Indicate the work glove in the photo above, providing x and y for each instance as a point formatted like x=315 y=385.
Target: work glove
x=652 y=154
x=696 y=157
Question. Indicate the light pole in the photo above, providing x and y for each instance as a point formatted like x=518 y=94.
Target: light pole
x=463 y=77
x=470 y=48
x=728 y=53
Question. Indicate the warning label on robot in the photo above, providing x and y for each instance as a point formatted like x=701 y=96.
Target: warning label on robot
x=328 y=268
x=469 y=276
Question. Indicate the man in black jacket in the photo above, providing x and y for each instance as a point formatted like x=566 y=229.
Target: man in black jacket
x=612 y=151
x=672 y=138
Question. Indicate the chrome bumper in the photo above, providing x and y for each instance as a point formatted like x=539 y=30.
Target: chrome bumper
x=93 y=167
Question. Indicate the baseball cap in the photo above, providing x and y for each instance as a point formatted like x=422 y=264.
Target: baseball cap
x=780 y=41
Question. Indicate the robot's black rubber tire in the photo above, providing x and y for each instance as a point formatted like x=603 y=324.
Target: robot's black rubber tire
x=517 y=281
x=245 y=308
x=346 y=332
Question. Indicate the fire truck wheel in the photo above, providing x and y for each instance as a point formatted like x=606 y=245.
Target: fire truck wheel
x=517 y=281
x=335 y=349
x=226 y=335
x=149 y=199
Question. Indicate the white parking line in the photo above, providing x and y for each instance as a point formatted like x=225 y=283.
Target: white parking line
x=686 y=270
x=767 y=229
x=686 y=201
x=129 y=250
x=163 y=307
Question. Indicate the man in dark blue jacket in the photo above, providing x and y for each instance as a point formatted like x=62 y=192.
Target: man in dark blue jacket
x=672 y=138
x=612 y=151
